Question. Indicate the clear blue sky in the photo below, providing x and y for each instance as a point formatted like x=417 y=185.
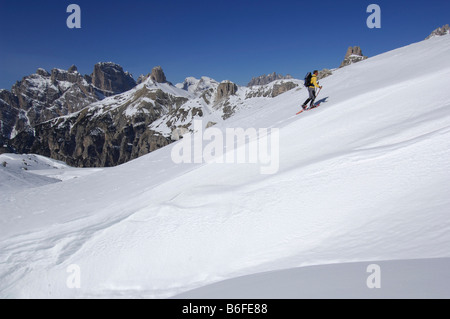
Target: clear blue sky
x=230 y=39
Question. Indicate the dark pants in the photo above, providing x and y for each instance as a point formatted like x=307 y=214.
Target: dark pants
x=312 y=96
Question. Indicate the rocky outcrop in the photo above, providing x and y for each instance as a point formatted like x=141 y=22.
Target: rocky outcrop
x=282 y=88
x=439 y=32
x=42 y=72
x=353 y=55
x=158 y=75
x=178 y=133
x=9 y=113
x=141 y=79
x=266 y=79
x=225 y=89
x=73 y=69
x=324 y=73
x=111 y=79
x=4 y=146
x=58 y=75
x=210 y=124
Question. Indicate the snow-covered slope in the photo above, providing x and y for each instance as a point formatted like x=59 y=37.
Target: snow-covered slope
x=18 y=172
x=412 y=278
x=362 y=178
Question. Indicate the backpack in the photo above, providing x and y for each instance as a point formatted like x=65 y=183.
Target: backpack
x=308 y=79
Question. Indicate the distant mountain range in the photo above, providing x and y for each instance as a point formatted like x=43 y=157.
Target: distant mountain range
x=107 y=118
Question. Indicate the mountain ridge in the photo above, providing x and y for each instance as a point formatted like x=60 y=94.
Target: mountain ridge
x=125 y=126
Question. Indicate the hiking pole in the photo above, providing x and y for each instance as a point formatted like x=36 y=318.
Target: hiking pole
x=317 y=93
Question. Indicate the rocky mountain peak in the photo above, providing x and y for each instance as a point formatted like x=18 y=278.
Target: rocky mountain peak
x=73 y=69
x=225 y=89
x=439 y=31
x=158 y=75
x=42 y=72
x=108 y=76
x=353 y=55
x=63 y=75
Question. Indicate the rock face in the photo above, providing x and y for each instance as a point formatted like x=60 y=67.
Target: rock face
x=439 y=32
x=110 y=78
x=4 y=146
x=225 y=89
x=141 y=79
x=178 y=133
x=72 y=69
x=353 y=55
x=81 y=142
x=158 y=75
x=107 y=133
x=324 y=73
x=282 y=88
x=9 y=113
x=271 y=90
x=43 y=95
x=266 y=79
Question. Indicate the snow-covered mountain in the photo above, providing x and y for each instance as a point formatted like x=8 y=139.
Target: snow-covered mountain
x=198 y=86
x=360 y=180
x=145 y=118
x=46 y=95
x=215 y=102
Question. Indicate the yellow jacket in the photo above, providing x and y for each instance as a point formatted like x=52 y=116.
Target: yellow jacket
x=314 y=81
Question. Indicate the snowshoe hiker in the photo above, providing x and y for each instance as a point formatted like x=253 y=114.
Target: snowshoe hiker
x=311 y=84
